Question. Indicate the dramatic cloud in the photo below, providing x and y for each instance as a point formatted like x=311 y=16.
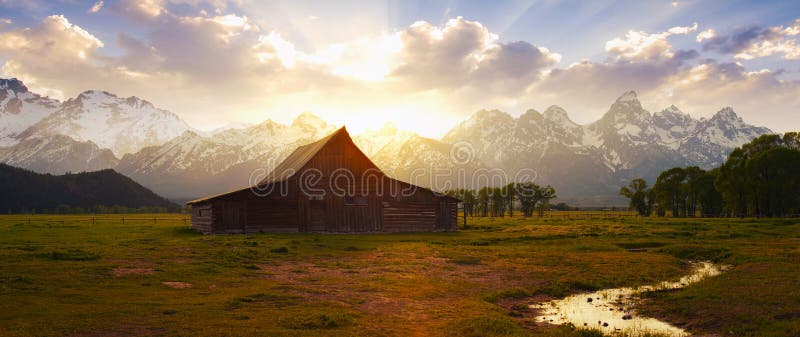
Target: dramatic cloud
x=641 y=61
x=755 y=41
x=54 y=49
x=663 y=76
x=761 y=96
x=638 y=45
x=212 y=66
x=465 y=52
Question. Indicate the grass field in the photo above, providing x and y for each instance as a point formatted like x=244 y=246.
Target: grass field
x=105 y=278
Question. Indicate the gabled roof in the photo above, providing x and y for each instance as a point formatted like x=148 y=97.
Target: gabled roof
x=295 y=162
x=288 y=167
x=298 y=158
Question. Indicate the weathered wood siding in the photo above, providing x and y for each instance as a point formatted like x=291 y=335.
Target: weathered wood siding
x=202 y=218
x=409 y=216
x=272 y=215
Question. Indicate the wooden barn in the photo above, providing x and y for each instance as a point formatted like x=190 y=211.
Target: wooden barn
x=326 y=186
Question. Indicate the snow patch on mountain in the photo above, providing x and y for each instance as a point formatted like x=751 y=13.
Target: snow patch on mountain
x=19 y=109
x=123 y=125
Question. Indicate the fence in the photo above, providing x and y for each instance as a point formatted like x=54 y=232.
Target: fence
x=29 y=219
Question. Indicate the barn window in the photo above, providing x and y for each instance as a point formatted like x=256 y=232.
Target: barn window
x=200 y=212
x=355 y=200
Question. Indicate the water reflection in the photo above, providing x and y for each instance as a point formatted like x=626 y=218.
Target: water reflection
x=611 y=310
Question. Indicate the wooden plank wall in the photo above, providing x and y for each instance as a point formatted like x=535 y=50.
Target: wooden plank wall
x=409 y=216
x=202 y=218
x=272 y=215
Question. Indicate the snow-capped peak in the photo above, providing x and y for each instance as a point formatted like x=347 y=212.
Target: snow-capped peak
x=558 y=115
x=309 y=120
x=13 y=84
x=727 y=114
x=123 y=125
x=673 y=109
x=628 y=96
x=19 y=109
x=388 y=128
x=96 y=95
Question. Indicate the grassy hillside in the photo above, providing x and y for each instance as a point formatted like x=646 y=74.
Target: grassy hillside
x=83 y=279
x=26 y=191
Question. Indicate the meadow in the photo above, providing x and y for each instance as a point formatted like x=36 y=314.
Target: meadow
x=59 y=276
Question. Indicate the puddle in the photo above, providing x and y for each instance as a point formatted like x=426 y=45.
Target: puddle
x=611 y=310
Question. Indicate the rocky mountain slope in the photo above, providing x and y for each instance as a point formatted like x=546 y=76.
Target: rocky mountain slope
x=155 y=147
x=625 y=143
x=19 y=109
x=123 y=125
x=194 y=165
x=58 y=154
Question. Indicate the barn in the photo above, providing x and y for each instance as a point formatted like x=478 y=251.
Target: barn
x=326 y=186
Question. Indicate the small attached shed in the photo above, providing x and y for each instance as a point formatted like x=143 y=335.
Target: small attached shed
x=326 y=186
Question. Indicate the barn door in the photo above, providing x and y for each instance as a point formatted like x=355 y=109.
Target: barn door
x=442 y=217
x=317 y=214
x=234 y=217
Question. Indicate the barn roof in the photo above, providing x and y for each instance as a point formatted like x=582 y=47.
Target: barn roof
x=298 y=158
x=294 y=163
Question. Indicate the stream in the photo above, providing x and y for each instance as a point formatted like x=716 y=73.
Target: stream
x=612 y=310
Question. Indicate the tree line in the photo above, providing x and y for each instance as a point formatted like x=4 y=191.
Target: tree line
x=759 y=179
x=525 y=197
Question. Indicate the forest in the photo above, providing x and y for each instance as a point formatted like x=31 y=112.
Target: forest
x=759 y=179
x=498 y=201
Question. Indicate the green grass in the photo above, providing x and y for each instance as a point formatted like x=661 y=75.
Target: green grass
x=59 y=276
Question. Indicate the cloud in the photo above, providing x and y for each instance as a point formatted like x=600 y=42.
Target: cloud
x=648 y=63
x=644 y=46
x=705 y=35
x=215 y=66
x=96 y=7
x=463 y=53
x=761 y=96
x=141 y=9
x=640 y=60
x=751 y=42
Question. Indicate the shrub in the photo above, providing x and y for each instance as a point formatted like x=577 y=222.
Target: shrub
x=697 y=252
x=316 y=321
x=279 y=250
x=485 y=326
x=72 y=255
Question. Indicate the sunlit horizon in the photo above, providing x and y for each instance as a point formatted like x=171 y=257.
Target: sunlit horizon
x=422 y=66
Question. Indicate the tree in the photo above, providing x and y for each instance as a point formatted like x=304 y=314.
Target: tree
x=670 y=191
x=498 y=202
x=709 y=198
x=637 y=192
x=483 y=201
x=527 y=196
x=775 y=181
x=509 y=191
x=468 y=198
x=732 y=182
x=562 y=206
x=692 y=189
x=545 y=194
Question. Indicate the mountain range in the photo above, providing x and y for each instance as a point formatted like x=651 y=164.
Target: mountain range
x=98 y=130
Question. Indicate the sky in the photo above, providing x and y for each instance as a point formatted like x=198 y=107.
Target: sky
x=422 y=65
